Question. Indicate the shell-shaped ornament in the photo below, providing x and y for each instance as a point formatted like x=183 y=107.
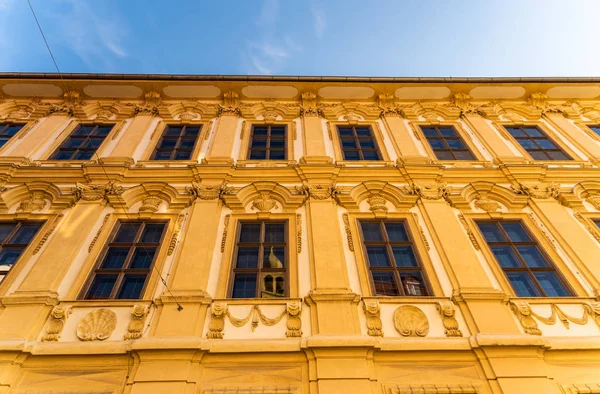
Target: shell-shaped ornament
x=410 y=321
x=97 y=325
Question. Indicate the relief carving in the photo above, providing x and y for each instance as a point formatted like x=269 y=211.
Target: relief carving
x=526 y=316
x=217 y=321
x=435 y=191
x=264 y=203
x=387 y=105
x=224 y=237
x=150 y=106
x=58 y=318
x=150 y=204
x=48 y=233
x=299 y=232
x=487 y=205
x=594 y=199
x=416 y=217
x=98 y=232
x=446 y=310
x=97 y=325
x=136 y=325
x=208 y=192
x=373 y=313
x=377 y=204
x=470 y=233
x=35 y=202
x=175 y=235
x=318 y=191
x=294 y=324
x=538 y=190
x=96 y=192
x=410 y=321
x=348 y=232
x=230 y=107
x=523 y=312
x=309 y=105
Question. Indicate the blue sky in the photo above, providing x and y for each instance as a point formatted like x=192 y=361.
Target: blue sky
x=310 y=37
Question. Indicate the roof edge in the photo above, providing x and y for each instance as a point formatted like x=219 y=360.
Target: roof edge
x=291 y=78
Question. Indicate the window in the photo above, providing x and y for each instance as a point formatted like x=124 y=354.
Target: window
x=446 y=143
x=177 y=142
x=14 y=239
x=395 y=268
x=595 y=128
x=268 y=143
x=358 y=143
x=537 y=143
x=82 y=143
x=260 y=261
x=7 y=130
x=125 y=263
x=527 y=268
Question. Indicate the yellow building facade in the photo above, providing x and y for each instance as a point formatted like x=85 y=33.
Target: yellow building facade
x=300 y=235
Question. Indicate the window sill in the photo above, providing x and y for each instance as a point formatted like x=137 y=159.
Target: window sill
x=405 y=299
x=104 y=303
x=366 y=163
x=464 y=163
x=165 y=163
x=554 y=300
x=265 y=163
x=63 y=163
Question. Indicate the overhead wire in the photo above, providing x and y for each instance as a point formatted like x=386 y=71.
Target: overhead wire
x=81 y=124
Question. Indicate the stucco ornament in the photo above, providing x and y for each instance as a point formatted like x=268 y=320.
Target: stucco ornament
x=537 y=190
x=217 y=321
x=446 y=310
x=524 y=314
x=231 y=105
x=264 y=203
x=594 y=199
x=150 y=204
x=434 y=191
x=373 y=313
x=309 y=105
x=486 y=204
x=20 y=113
x=209 y=192
x=150 y=106
x=136 y=325
x=318 y=191
x=377 y=204
x=35 y=202
x=270 y=117
x=294 y=324
x=346 y=219
x=410 y=321
x=58 y=318
x=97 y=325
x=387 y=105
x=96 y=192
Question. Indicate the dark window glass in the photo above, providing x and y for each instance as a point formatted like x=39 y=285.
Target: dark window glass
x=537 y=143
x=446 y=143
x=260 y=261
x=595 y=129
x=125 y=265
x=395 y=268
x=177 y=142
x=358 y=143
x=14 y=239
x=7 y=130
x=268 y=142
x=527 y=268
x=82 y=143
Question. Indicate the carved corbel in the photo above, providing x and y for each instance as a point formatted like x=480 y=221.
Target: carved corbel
x=294 y=323
x=58 y=318
x=150 y=204
x=387 y=105
x=373 y=313
x=71 y=99
x=96 y=192
x=446 y=310
x=435 y=191
x=537 y=190
x=231 y=105
x=208 y=192
x=136 y=325
x=377 y=205
x=150 y=106
x=524 y=313
x=309 y=105
x=217 y=321
x=318 y=191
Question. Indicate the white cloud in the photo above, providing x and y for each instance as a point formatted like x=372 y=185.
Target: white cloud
x=319 y=21
x=91 y=34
